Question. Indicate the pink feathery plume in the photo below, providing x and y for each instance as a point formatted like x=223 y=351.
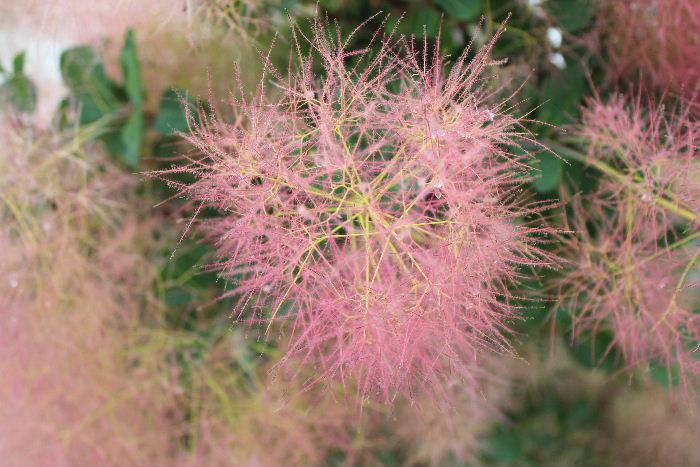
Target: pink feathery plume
x=377 y=208
x=635 y=248
x=625 y=283
x=653 y=147
x=659 y=38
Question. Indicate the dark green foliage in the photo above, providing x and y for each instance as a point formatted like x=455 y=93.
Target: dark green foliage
x=571 y=15
x=561 y=95
x=171 y=113
x=549 y=168
x=93 y=93
x=463 y=10
x=555 y=421
x=597 y=352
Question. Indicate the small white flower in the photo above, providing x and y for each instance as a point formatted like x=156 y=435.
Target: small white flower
x=646 y=197
x=554 y=37
x=13 y=283
x=557 y=60
x=309 y=94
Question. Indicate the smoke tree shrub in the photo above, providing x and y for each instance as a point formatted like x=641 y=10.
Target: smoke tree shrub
x=374 y=206
x=635 y=252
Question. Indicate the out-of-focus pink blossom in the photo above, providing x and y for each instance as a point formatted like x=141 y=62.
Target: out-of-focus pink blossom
x=450 y=431
x=375 y=207
x=70 y=272
x=636 y=243
x=655 y=149
x=624 y=282
x=658 y=38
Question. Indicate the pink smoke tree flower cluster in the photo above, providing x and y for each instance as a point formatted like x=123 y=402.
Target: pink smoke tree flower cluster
x=635 y=250
x=670 y=33
x=653 y=149
x=377 y=207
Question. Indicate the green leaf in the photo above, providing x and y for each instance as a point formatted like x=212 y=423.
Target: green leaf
x=177 y=296
x=463 y=10
x=18 y=90
x=81 y=68
x=131 y=70
x=113 y=141
x=187 y=258
x=503 y=447
x=667 y=377
x=418 y=18
x=596 y=352
x=93 y=92
x=18 y=63
x=132 y=134
x=562 y=93
x=572 y=15
x=171 y=113
x=548 y=170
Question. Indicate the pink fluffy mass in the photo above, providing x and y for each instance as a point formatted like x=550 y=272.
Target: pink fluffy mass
x=634 y=273
x=670 y=33
x=375 y=212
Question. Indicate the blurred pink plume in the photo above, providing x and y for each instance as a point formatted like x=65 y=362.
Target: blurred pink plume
x=660 y=38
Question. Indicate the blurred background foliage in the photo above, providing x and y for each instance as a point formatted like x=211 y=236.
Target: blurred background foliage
x=571 y=406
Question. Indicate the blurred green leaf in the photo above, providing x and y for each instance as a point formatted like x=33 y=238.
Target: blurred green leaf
x=548 y=170
x=18 y=90
x=84 y=74
x=597 y=352
x=562 y=93
x=177 y=296
x=18 y=63
x=417 y=19
x=572 y=15
x=463 y=10
x=665 y=376
x=171 y=114
x=503 y=447
x=131 y=70
x=132 y=135
x=113 y=141
x=186 y=258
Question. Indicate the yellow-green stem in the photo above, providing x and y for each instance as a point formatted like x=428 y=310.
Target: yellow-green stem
x=610 y=171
